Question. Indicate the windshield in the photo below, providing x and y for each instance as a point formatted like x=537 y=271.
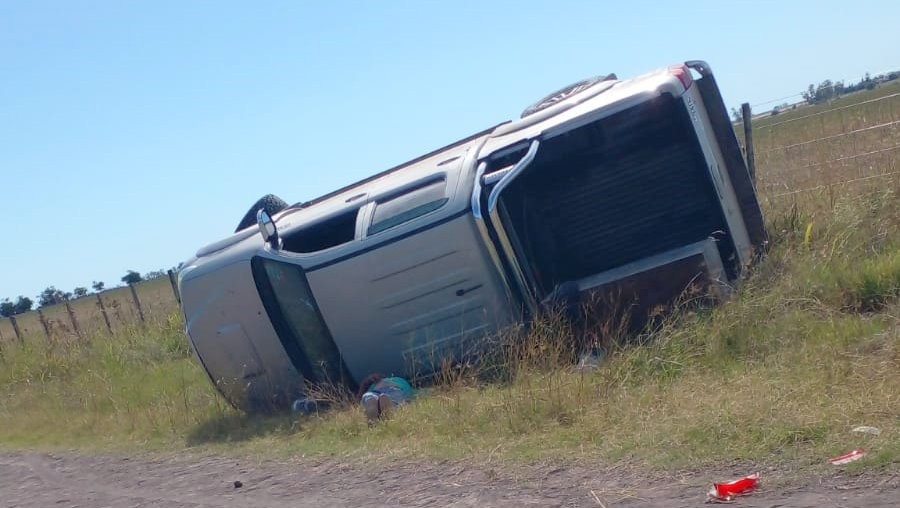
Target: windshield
x=295 y=316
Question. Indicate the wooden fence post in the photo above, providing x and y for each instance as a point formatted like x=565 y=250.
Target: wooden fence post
x=746 y=114
x=44 y=324
x=103 y=311
x=73 y=320
x=12 y=319
x=174 y=283
x=137 y=302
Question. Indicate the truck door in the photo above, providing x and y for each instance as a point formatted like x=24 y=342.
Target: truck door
x=421 y=291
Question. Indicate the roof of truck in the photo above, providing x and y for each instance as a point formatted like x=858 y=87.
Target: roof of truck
x=503 y=134
x=422 y=163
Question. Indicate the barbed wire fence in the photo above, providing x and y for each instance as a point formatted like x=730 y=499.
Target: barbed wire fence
x=834 y=147
x=148 y=302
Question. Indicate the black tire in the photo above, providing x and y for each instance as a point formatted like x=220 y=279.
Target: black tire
x=271 y=203
x=564 y=93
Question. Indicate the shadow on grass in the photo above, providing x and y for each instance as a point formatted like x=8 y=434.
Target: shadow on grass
x=235 y=427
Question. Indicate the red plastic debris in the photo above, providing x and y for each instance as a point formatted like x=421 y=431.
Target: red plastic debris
x=847 y=457
x=728 y=491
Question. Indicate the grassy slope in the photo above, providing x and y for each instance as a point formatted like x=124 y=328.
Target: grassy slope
x=807 y=348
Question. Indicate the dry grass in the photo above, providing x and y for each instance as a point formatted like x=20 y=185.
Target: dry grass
x=807 y=348
x=139 y=386
x=851 y=138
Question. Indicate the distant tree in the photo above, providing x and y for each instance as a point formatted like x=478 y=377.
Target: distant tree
x=52 y=296
x=839 y=88
x=98 y=285
x=80 y=291
x=154 y=274
x=810 y=94
x=825 y=91
x=132 y=277
x=868 y=83
x=23 y=304
x=784 y=106
x=7 y=308
x=736 y=115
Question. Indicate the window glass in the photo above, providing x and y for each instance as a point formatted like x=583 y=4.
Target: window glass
x=290 y=304
x=330 y=232
x=406 y=207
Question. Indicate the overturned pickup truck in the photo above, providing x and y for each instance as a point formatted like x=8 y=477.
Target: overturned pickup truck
x=635 y=184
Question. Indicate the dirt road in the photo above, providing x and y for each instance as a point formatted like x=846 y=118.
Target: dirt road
x=70 y=480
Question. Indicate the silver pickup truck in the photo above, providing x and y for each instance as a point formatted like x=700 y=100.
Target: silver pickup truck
x=634 y=186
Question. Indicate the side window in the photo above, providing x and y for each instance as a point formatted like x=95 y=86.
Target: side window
x=407 y=206
x=331 y=232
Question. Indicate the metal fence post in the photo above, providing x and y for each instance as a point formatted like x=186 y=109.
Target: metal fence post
x=748 y=140
x=103 y=311
x=137 y=302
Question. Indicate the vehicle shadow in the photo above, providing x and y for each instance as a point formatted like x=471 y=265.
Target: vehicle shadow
x=237 y=427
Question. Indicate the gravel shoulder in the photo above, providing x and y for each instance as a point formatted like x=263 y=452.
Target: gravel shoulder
x=76 y=480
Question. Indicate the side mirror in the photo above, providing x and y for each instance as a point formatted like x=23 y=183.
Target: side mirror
x=267 y=229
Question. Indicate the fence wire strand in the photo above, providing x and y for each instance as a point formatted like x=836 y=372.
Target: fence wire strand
x=848 y=106
x=844 y=182
x=834 y=136
x=849 y=157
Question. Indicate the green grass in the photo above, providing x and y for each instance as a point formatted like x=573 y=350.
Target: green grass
x=137 y=387
x=807 y=348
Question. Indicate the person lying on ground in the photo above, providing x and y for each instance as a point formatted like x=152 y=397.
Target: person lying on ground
x=379 y=394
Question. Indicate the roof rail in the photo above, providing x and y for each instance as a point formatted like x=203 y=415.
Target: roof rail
x=396 y=168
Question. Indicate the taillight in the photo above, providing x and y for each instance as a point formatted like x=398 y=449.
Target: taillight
x=683 y=74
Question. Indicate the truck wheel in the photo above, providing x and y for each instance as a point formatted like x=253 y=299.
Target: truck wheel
x=271 y=203
x=564 y=93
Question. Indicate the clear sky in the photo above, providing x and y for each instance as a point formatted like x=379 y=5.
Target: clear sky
x=132 y=133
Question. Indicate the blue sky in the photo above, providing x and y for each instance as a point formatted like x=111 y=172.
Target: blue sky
x=132 y=133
